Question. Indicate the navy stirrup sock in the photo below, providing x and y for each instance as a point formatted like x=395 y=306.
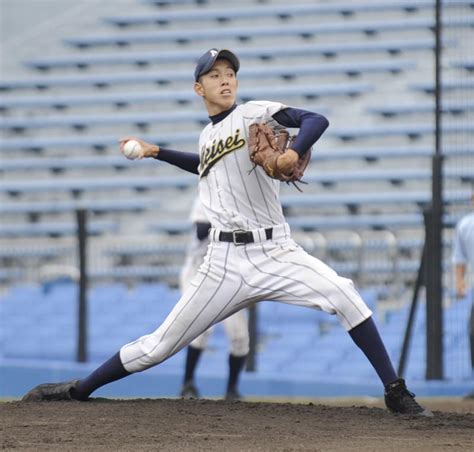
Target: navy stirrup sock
x=236 y=364
x=192 y=359
x=367 y=338
x=108 y=372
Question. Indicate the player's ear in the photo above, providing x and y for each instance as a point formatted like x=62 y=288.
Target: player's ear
x=198 y=89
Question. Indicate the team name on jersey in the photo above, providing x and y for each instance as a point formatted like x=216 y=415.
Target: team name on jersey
x=210 y=155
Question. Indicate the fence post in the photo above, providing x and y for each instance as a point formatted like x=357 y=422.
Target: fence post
x=81 y=216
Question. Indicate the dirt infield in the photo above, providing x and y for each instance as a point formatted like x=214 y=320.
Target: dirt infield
x=208 y=425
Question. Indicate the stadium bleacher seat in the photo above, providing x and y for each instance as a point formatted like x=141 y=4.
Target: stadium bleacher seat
x=392 y=47
x=448 y=85
x=177 y=96
x=12 y=274
x=83 y=184
x=189 y=180
x=464 y=64
x=28 y=251
x=81 y=122
x=254 y=32
x=422 y=107
x=125 y=251
x=412 y=131
x=369 y=154
x=91 y=205
x=54 y=229
x=168 y=76
x=153 y=272
x=257 y=12
x=56 y=164
x=415 y=197
x=360 y=221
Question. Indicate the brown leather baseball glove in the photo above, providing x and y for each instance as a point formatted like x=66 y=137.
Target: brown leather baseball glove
x=265 y=146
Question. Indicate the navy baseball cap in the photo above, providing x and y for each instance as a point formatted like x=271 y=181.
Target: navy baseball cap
x=207 y=60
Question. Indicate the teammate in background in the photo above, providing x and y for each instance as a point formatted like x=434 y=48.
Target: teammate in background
x=236 y=326
x=251 y=255
x=463 y=259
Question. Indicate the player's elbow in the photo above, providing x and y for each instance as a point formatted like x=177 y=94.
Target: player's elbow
x=324 y=122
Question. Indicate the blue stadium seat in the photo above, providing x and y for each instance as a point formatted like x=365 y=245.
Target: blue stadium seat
x=14 y=274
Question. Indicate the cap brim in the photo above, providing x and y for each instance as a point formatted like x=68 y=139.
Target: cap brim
x=229 y=56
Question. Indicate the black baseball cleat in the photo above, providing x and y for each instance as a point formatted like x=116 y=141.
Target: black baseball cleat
x=189 y=391
x=51 y=391
x=398 y=399
x=233 y=395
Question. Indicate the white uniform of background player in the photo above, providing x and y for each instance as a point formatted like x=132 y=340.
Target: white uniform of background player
x=236 y=326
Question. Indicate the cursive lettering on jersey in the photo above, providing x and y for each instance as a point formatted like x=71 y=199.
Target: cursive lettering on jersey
x=213 y=153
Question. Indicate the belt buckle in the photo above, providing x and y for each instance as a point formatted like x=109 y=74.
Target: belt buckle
x=234 y=237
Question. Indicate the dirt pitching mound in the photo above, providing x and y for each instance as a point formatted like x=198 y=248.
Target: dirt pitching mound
x=209 y=425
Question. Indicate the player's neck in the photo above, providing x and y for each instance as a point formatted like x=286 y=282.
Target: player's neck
x=218 y=117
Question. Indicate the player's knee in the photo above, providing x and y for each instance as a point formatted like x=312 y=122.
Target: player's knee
x=240 y=345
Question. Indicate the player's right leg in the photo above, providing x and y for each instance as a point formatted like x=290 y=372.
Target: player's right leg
x=212 y=296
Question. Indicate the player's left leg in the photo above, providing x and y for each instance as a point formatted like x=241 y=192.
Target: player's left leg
x=297 y=278
x=236 y=327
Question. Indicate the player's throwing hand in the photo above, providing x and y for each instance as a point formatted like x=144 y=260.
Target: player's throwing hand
x=146 y=150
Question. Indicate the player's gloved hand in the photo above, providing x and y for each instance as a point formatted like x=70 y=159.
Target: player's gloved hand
x=287 y=162
x=270 y=151
x=148 y=149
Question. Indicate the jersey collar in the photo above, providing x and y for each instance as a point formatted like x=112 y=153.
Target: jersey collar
x=222 y=115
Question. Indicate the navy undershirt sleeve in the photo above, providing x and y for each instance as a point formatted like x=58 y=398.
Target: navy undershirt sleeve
x=311 y=125
x=188 y=161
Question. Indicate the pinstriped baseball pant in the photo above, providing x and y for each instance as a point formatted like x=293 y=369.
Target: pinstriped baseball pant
x=234 y=276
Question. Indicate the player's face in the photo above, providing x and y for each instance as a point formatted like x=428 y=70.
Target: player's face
x=218 y=87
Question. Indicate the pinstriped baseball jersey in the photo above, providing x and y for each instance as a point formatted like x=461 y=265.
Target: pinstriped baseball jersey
x=233 y=275
x=235 y=195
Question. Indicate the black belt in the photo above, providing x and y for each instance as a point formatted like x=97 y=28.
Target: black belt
x=241 y=237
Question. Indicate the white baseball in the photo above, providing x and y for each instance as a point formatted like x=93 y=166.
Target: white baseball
x=132 y=149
